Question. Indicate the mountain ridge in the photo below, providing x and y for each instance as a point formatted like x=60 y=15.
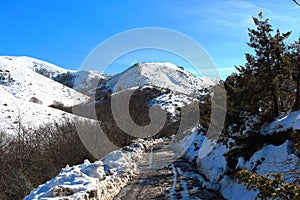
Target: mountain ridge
x=34 y=86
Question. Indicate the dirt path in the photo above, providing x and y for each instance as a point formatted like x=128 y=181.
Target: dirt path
x=163 y=178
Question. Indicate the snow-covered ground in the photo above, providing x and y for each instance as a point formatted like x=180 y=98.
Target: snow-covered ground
x=269 y=159
x=283 y=122
x=20 y=79
x=41 y=67
x=26 y=93
x=100 y=180
x=87 y=81
x=170 y=101
x=15 y=112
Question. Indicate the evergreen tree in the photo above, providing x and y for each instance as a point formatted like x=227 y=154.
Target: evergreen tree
x=258 y=84
x=294 y=67
x=269 y=83
x=296 y=2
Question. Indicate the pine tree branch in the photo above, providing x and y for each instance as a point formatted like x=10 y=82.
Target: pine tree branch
x=296 y=2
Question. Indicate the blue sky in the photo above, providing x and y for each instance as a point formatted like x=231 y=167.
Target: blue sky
x=65 y=32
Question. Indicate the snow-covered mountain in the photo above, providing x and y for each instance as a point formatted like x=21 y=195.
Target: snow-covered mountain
x=29 y=86
x=178 y=87
x=26 y=79
x=41 y=67
x=84 y=81
x=162 y=75
x=27 y=91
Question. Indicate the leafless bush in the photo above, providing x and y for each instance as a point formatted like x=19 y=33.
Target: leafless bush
x=30 y=158
x=290 y=170
x=61 y=106
x=35 y=100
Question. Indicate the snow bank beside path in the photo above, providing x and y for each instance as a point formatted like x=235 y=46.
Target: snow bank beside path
x=269 y=159
x=100 y=180
x=213 y=167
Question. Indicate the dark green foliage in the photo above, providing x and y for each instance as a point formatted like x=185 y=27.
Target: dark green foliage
x=268 y=84
x=295 y=138
x=205 y=111
x=271 y=186
x=293 y=63
x=258 y=88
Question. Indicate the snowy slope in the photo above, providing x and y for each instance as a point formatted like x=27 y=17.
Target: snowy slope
x=169 y=101
x=178 y=87
x=31 y=115
x=84 y=81
x=42 y=67
x=282 y=123
x=163 y=75
x=26 y=94
x=34 y=81
x=23 y=82
x=268 y=159
x=87 y=79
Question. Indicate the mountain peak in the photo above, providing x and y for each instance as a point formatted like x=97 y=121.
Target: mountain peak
x=157 y=74
x=42 y=67
x=160 y=64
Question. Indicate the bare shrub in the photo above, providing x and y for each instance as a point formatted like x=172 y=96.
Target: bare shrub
x=30 y=158
x=61 y=106
x=35 y=100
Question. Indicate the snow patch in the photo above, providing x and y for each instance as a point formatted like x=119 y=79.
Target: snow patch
x=282 y=123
